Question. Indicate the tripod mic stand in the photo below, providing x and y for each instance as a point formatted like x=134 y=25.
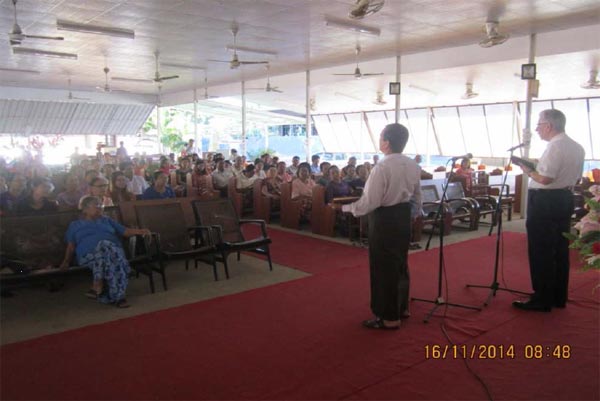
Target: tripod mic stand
x=441 y=214
x=495 y=286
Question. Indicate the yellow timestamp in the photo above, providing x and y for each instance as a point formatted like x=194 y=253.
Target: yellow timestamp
x=496 y=351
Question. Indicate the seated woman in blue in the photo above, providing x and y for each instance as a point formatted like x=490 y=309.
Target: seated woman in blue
x=160 y=189
x=95 y=239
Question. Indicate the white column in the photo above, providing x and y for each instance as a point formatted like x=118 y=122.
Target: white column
x=243 y=150
x=196 y=123
x=308 y=117
x=527 y=130
x=398 y=69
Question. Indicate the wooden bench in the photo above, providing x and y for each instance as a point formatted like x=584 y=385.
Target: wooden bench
x=290 y=209
x=33 y=248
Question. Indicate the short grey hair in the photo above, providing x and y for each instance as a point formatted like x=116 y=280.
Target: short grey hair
x=88 y=200
x=556 y=118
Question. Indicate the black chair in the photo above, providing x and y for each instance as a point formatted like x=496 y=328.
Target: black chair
x=463 y=208
x=221 y=215
x=173 y=238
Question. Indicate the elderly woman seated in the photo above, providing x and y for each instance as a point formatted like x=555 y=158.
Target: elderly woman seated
x=302 y=188
x=95 y=240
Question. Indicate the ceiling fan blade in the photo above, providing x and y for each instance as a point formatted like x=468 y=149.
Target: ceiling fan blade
x=372 y=74
x=161 y=79
x=345 y=74
x=220 y=61
x=253 y=62
x=276 y=90
x=44 y=37
x=14 y=42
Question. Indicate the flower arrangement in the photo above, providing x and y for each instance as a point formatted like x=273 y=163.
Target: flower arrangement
x=588 y=238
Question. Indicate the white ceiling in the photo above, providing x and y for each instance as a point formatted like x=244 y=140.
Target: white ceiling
x=194 y=31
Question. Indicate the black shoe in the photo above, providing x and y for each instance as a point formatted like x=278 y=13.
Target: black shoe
x=377 y=323
x=531 y=305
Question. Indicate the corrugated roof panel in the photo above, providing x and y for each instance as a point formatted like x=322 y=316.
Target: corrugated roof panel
x=128 y=119
x=71 y=118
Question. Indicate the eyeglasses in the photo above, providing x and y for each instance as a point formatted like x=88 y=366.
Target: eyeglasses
x=101 y=186
x=541 y=123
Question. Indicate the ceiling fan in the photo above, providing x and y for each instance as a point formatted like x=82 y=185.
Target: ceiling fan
x=380 y=100
x=16 y=36
x=268 y=88
x=593 y=82
x=357 y=73
x=362 y=8
x=469 y=94
x=235 y=61
x=157 y=77
x=106 y=88
x=206 y=96
x=70 y=96
x=493 y=37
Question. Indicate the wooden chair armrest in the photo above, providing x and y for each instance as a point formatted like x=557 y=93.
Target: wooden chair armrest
x=263 y=225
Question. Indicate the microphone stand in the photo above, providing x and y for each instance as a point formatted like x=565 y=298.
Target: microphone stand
x=441 y=215
x=495 y=286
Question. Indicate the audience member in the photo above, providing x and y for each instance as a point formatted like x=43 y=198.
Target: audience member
x=119 y=192
x=259 y=171
x=136 y=184
x=358 y=183
x=69 y=198
x=238 y=166
x=302 y=188
x=349 y=173
x=336 y=187
x=271 y=188
x=221 y=177
x=292 y=170
x=324 y=178
x=99 y=189
x=94 y=239
x=159 y=189
x=282 y=174
x=17 y=192
x=37 y=202
x=121 y=153
x=466 y=171
x=314 y=167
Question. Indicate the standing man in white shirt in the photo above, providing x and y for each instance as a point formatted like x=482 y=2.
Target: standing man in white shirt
x=549 y=210
x=393 y=182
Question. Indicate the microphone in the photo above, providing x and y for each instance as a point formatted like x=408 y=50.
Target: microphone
x=467 y=156
x=518 y=146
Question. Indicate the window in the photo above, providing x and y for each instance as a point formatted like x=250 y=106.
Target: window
x=326 y=132
x=501 y=128
x=448 y=131
x=357 y=125
x=595 y=128
x=474 y=130
x=421 y=131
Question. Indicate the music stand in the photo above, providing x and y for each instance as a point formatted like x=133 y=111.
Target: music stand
x=495 y=286
x=441 y=214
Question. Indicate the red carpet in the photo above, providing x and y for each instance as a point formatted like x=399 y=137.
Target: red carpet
x=302 y=340
x=310 y=254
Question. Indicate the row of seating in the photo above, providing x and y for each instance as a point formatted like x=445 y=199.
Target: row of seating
x=189 y=228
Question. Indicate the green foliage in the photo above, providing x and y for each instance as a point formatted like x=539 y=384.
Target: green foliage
x=258 y=153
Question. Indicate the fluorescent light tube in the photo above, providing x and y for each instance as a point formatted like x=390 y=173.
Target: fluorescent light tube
x=20 y=71
x=45 y=53
x=184 y=66
x=63 y=25
x=251 y=50
x=353 y=26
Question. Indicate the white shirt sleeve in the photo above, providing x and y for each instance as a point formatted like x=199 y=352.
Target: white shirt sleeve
x=372 y=195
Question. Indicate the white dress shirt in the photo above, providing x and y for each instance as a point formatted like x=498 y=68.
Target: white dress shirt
x=394 y=179
x=221 y=178
x=562 y=161
x=137 y=185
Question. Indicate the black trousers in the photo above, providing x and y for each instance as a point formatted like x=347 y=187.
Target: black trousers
x=389 y=237
x=548 y=217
